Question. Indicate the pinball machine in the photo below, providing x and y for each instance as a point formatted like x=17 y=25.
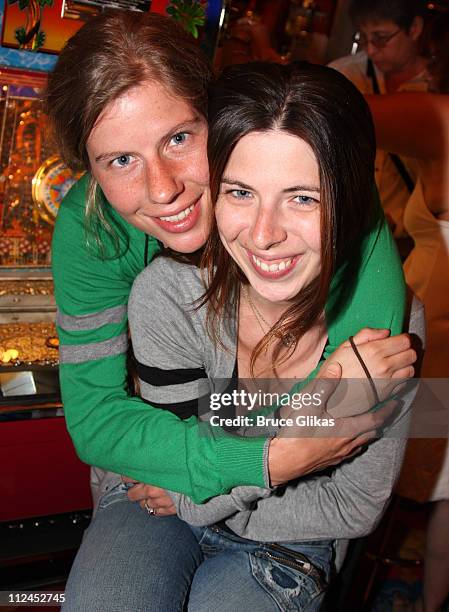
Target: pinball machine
x=38 y=524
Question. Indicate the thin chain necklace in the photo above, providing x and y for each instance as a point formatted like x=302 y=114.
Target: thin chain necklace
x=286 y=339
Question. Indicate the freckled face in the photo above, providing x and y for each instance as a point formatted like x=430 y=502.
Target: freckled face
x=147 y=151
x=268 y=213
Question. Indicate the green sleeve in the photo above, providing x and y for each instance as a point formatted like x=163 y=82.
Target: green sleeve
x=370 y=291
x=111 y=429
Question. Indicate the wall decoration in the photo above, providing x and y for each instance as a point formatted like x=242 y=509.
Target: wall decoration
x=31 y=60
x=26 y=225
x=46 y=25
x=32 y=26
x=30 y=36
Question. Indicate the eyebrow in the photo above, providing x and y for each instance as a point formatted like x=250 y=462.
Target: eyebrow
x=177 y=128
x=230 y=181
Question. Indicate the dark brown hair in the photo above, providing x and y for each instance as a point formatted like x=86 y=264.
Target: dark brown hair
x=109 y=55
x=320 y=106
x=400 y=12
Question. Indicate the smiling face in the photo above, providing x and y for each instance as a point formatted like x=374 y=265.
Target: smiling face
x=268 y=213
x=147 y=151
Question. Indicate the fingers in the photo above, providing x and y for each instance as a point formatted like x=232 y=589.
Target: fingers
x=152 y=498
x=142 y=491
x=363 y=424
x=399 y=361
x=157 y=510
x=394 y=344
x=159 y=501
x=137 y=492
x=127 y=479
x=369 y=334
x=324 y=385
x=330 y=370
x=405 y=373
x=385 y=357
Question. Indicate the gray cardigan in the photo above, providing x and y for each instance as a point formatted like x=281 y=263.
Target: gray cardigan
x=346 y=502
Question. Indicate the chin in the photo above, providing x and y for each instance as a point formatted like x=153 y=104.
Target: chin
x=275 y=295
x=186 y=244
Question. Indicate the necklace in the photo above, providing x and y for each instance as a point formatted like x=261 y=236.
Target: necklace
x=286 y=339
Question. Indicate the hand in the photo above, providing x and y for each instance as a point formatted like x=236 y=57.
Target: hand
x=130 y=482
x=155 y=497
x=389 y=361
x=385 y=356
x=291 y=456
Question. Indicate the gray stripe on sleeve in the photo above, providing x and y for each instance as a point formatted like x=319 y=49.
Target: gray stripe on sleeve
x=91 y=321
x=175 y=393
x=79 y=353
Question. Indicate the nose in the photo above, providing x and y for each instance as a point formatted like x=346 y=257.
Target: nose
x=267 y=230
x=371 y=50
x=164 y=184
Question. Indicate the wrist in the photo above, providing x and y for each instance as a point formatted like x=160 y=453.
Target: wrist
x=277 y=462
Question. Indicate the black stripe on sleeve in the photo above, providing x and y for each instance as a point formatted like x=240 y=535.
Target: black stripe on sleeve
x=163 y=378
x=183 y=410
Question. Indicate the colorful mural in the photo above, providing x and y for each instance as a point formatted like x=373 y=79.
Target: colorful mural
x=24 y=59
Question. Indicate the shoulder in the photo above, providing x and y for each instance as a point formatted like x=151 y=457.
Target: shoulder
x=419 y=83
x=350 y=63
x=72 y=209
x=167 y=329
x=353 y=67
x=70 y=221
x=85 y=282
x=169 y=284
x=70 y=227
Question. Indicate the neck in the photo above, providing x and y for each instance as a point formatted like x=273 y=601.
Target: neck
x=252 y=329
x=393 y=80
x=272 y=311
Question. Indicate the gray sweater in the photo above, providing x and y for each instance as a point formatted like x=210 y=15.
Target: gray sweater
x=171 y=338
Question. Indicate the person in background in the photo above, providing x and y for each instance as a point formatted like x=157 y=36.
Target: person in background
x=425 y=475
x=389 y=61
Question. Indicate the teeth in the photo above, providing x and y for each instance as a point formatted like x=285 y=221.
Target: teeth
x=180 y=216
x=272 y=267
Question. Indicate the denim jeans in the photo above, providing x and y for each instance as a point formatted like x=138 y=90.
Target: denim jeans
x=131 y=562
x=266 y=577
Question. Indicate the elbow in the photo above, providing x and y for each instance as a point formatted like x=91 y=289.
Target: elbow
x=367 y=522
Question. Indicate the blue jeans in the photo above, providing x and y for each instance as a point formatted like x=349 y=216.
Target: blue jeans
x=131 y=562
x=237 y=572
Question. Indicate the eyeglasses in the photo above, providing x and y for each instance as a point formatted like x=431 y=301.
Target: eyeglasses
x=379 y=41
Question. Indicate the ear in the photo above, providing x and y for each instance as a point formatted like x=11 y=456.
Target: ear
x=416 y=28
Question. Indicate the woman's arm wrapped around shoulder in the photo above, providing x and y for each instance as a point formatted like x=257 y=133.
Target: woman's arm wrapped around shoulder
x=350 y=500
x=111 y=429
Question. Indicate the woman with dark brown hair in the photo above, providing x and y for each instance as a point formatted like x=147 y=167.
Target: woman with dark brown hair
x=128 y=103
x=298 y=259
